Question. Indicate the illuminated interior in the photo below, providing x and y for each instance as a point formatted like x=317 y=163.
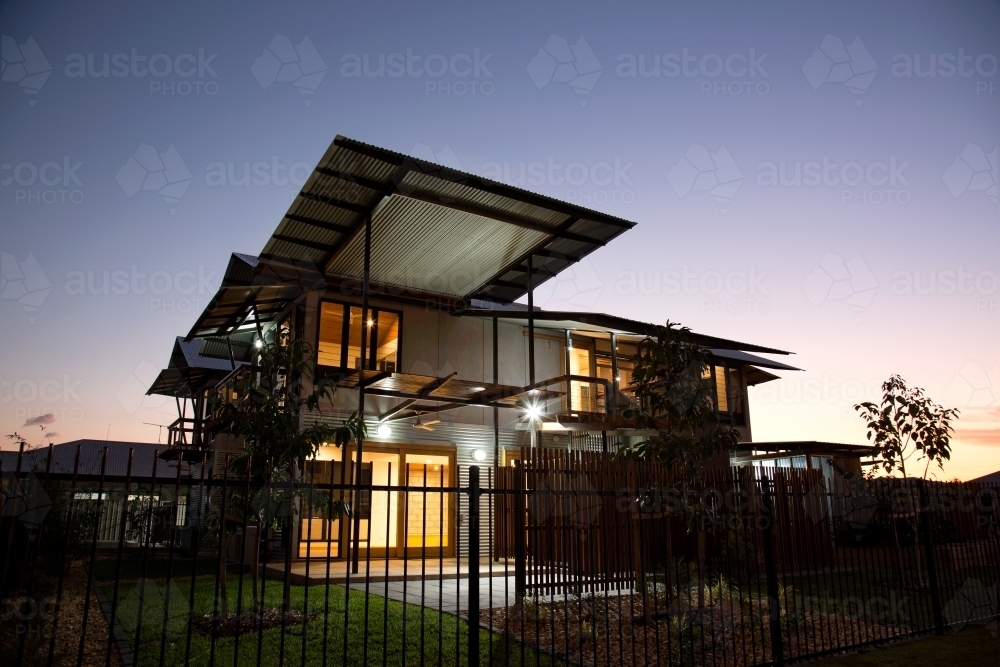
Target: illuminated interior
x=427 y=512
x=379 y=334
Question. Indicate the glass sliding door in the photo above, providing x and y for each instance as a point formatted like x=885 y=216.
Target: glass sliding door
x=428 y=512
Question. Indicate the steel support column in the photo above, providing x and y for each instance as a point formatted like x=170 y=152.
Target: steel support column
x=356 y=538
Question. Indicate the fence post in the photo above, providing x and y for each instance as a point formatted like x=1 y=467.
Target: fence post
x=474 y=566
x=520 y=555
x=932 y=578
x=774 y=604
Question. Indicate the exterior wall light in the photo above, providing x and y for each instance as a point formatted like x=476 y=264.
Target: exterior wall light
x=383 y=431
x=478 y=455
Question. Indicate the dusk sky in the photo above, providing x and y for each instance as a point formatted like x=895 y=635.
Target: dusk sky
x=814 y=177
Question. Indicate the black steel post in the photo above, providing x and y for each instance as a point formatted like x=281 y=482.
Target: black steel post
x=932 y=573
x=356 y=538
x=531 y=324
x=473 y=566
x=615 y=380
x=496 y=380
x=520 y=570
x=777 y=650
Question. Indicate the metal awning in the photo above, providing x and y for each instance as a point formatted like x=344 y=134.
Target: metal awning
x=434 y=229
x=447 y=390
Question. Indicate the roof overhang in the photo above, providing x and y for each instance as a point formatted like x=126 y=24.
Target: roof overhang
x=802 y=447
x=602 y=323
x=434 y=229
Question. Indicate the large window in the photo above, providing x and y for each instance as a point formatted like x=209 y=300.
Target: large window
x=342 y=334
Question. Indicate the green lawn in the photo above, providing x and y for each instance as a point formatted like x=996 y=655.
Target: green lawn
x=430 y=637
x=971 y=647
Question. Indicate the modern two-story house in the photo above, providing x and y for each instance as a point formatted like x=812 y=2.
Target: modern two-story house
x=408 y=280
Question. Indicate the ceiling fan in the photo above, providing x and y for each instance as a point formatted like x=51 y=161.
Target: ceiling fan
x=426 y=425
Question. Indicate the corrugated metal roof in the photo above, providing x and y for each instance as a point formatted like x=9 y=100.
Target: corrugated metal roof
x=91 y=452
x=471 y=230
x=430 y=248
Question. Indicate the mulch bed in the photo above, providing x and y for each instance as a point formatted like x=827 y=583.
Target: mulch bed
x=251 y=621
x=610 y=631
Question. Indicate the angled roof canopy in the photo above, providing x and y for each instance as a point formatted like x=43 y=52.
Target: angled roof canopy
x=434 y=229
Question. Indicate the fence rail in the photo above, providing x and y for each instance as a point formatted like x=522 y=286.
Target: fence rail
x=564 y=558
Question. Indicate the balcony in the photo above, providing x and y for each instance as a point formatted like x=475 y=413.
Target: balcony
x=578 y=402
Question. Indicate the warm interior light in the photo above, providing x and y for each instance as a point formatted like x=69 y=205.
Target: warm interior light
x=383 y=431
x=371 y=322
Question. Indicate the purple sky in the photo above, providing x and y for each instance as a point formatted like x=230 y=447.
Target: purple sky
x=799 y=178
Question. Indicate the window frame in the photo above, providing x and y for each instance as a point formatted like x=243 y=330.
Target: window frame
x=345 y=343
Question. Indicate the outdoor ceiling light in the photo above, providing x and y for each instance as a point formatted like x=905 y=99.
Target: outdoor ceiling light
x=383 y=431
x=258 y=343
x=533 y=412
x=478 y=454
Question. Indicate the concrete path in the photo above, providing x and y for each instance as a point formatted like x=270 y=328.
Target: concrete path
x=446 y=595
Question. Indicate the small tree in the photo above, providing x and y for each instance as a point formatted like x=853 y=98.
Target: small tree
x=266 y=413
x=907 y=423
x=674 y=399
x=267 y=410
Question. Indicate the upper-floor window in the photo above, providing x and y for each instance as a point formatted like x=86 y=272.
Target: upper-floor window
x=342 y=334
x=727 y=392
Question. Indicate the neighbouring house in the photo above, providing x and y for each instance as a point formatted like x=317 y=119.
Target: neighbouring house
x=93 y=479
x=405 y=277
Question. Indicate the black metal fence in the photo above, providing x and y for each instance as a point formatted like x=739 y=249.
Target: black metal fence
x=576 y=561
